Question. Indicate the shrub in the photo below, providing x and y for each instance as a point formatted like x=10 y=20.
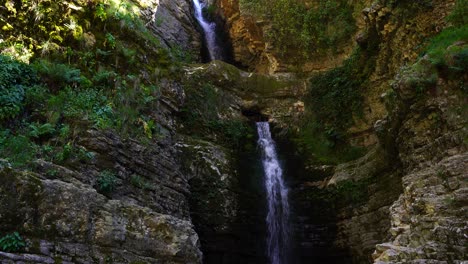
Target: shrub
x=58 y=75
x=107 y=181
x=38 y=130
x=12 y=242
x=15 y=79
x=18 y=149
x=83 y=104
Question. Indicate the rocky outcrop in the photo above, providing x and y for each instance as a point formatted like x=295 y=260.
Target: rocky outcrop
x=398 y=31
x=428 y=221
x=127 y=202
x=423 y=214
x=275 y=97
x=174 y=24
x=66 y=220
x=254 y=50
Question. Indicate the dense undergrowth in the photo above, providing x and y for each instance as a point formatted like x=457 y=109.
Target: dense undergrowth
x=69 y=66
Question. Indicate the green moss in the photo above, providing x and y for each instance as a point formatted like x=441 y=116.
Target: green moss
x=201 y=116
x=18 y=149
x=439 y=51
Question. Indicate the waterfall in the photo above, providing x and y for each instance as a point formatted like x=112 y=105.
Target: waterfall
x=277 y=197
x=209 y=30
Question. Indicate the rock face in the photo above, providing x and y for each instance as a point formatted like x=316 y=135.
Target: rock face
x=225 y=209
x=403 y=202
x=399 y=33
x=174 y=24
x=66 y=215
x=252 y=49
x=428 y=221
x=227 y=194
x=65 y=219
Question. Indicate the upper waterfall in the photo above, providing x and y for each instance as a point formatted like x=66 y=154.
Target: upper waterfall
x=209 y=30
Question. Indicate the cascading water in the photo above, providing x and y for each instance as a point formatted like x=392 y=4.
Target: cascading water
x=209 y=30
x=277 y=196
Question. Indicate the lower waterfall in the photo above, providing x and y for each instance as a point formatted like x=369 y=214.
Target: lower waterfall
x=277 y=198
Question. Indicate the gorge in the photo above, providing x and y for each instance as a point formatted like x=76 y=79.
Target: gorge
x=233 y=131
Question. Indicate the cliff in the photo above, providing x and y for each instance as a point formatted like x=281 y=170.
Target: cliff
x=118 y=146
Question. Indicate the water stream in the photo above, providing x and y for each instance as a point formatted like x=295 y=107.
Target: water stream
x=277 y=197
x=209 y=29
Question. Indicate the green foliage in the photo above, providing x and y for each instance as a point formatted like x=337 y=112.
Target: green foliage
x=100 y=12
x=335 y=95
x=333 y=101
x=107 y=181
x=89 y=68
x=202 y=112
x=17 y=149
x=39 y=130
x=234 y=132
x=181 y=55
x=139 y=182
x=306 y=30
x=329 y=146
x=58 y=75
x=69 y=151
x=110 y=40
x=15 y=80
x=83 y=104
x=438 y=47
x=149 y=127
x=12 y=242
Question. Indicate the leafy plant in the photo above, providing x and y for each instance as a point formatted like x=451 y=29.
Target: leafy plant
x=15 y=79
x=18 y=149
x=12 y=242
x=100 y=12
x=65 y=153
x=107 y=181
x=86 y=104
x=110 y=40
x=58 y=75
x=38 y=130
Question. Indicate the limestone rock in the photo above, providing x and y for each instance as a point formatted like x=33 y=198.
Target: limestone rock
x=173 y=22
x=73 y=223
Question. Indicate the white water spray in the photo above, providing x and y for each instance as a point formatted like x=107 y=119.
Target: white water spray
x=277 y=196
x=209 y=30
